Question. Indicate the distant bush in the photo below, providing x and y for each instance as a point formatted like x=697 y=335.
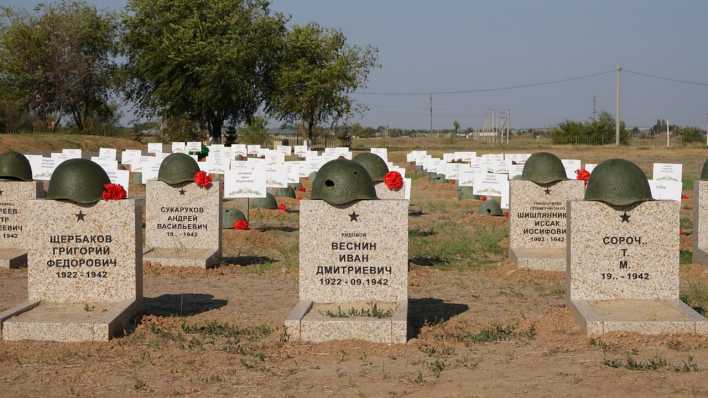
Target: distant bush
x=692 y=134
x=595 y=132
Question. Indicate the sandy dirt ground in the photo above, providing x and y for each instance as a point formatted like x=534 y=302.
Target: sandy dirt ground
x=479 y=327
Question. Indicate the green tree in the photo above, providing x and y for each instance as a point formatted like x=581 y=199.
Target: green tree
x=210 y=60
x=456 y=126
x=598 y=131
x=255 y=132
x=317 y=73
x=60 y=61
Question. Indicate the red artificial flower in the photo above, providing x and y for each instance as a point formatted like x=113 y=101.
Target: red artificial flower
x=282 y=208
x=202 y=179
x=582 y=175
x=684 y=196
x=393 y=180
x=241 y=225
x=114 y=192
x=302 y=188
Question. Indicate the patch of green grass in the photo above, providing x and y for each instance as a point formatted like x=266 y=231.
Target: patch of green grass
x=695 y=295
x=685 y=224
x=372 y=311
x=687 y=184
x=493 y=333
x=219 y=329
x=654 y=363
x=685 y=257
x=454 y=244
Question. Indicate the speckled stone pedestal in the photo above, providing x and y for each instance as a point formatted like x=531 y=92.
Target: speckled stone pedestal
x=623 y=269
x=539 y=259
x=700 y=223
x=183 y=225
x=355 y=257
x=383 y=193
x=537 y=223
x=84 y=273
x=13 y=221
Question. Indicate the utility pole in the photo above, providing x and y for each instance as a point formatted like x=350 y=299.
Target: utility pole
x=618 y=116
x=668 y=133
x=594 y=107
x=706 y=130
x=508 y=133
x=431 y=113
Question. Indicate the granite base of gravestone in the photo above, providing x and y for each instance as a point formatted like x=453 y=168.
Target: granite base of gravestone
x=183 y=225
x=13 y=221
x=353 y=272
x=464 y=193
x=84 y=273
x=538 y=222
x=623 y=269
x=384 y=193
x=700 y=223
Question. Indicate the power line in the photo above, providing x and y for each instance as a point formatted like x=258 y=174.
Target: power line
x=669 y=79
x=483 y=90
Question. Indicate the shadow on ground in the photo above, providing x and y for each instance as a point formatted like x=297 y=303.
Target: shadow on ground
x=186 y=304
x=245 y=261
x=430 y=311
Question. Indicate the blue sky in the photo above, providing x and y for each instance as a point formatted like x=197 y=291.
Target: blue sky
x=457 y=45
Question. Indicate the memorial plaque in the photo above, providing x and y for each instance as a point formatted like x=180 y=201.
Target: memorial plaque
x=623 y=269
x=84 y=273
x=384 y=193
x=352 y=256
x=537 y=223
x=183 y=224
x=14 y=240
x=700 y=222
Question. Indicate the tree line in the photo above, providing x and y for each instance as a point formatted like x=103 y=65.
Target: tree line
x=194 y=64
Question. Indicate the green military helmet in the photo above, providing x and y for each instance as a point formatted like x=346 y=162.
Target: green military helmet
x=543 y=168
x=374 y=165
x=341 y=181
x=618 y=182
x=268 y=202
x=491 y=207
x=177 y=168
x=15 y=166
x=704 y=171
x=79 y=181
x=230 y=216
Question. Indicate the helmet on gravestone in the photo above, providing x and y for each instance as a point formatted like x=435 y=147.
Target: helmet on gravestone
x=618 y=182
x=268 y=202
x=79 y=181
x=491 y=207
x=177 y=168
x=704 y=171
x=543 y=168
x=374 y=165
x=230 y=216
x=341 y=181
x=15 y=166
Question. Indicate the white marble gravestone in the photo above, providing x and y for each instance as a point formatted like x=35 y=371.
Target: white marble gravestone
x=700 y=222
x=623 y=269
x=352 y=258
x=13 y=221
x=84 y=273
x=183 y=224
x=537 y=223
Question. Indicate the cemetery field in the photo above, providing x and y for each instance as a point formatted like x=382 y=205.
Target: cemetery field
x=478 y=325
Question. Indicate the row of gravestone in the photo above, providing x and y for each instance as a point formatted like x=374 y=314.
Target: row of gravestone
x=85 y=254
x=621 y=248
x=618 y=246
